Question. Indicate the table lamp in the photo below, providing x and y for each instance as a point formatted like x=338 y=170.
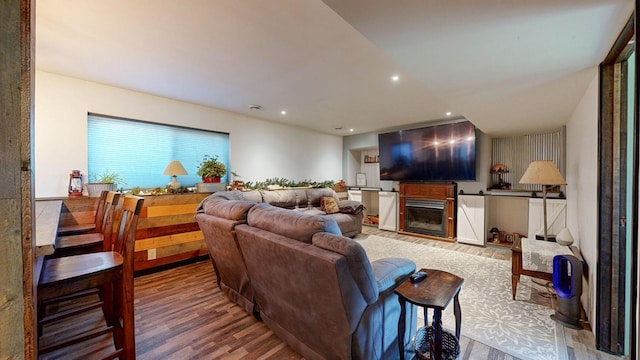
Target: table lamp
x=543 y=172
x=173 y=169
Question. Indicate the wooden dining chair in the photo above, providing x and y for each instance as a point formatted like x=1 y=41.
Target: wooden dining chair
x=90 y=242
x=95 y=226
x=112 y=271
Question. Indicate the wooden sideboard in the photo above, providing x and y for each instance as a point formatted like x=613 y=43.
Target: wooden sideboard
x=167 y=229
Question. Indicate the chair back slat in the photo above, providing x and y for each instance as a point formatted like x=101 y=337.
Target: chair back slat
x=110 y=206
x=100 y=211
x=126 y=230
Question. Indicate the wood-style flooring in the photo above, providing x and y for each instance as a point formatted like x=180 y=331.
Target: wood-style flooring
x=181 y=314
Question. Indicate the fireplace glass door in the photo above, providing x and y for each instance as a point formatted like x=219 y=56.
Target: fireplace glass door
x=425 y=217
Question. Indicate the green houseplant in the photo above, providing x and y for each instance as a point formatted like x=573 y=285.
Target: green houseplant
x=105 y=181
x=210 y=169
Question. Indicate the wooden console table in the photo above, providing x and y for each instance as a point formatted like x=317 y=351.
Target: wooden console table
x=435 y=292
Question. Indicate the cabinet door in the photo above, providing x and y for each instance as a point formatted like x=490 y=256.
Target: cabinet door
x=471 y=220
x=355 y=195
x=388 y=210
x=556 y=217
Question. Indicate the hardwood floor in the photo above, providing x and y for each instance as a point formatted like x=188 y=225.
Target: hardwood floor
x=181 y=314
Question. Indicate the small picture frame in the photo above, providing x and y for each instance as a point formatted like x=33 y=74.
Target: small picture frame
x=361 y=179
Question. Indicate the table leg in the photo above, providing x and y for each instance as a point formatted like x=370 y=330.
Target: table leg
x=456 y=312
x=437 y=333
x=401 y=326
x=425 y=315
x=514 y=284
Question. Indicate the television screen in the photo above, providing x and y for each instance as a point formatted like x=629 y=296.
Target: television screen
x=436 y=153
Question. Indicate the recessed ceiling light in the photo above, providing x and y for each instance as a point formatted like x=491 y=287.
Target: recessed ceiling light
x=283 y=112
x=255 y=107
x=395 y=78
x=448 y=113
x=351 y=130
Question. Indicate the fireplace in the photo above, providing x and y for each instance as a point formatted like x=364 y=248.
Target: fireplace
x=428 y=209
x=426 y=217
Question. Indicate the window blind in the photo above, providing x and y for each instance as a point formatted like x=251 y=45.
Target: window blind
x=140 y=151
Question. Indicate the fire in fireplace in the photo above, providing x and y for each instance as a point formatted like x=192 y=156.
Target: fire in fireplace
x=425 y=217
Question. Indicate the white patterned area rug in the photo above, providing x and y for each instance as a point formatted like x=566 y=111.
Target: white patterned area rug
x=520 y=328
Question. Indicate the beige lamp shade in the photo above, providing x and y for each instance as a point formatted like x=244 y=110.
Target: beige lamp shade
x=542 y=172
x=175 y=168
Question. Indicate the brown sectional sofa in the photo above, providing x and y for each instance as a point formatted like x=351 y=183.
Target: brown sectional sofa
x=315 y=288
x=349 y=218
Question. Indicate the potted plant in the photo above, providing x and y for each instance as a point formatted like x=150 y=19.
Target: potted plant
x=210 y=169
x=105 y=181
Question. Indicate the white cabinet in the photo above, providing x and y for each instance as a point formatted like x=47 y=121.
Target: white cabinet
x=355 y=195
x=368 y=197
x=388 y=218
x=471 y=220
x=556 y=217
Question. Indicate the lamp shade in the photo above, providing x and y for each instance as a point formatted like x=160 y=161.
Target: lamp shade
x=564 y=237
x=542 y=172
x=175 y=168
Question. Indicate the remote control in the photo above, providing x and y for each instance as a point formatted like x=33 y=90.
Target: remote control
x=418 y=276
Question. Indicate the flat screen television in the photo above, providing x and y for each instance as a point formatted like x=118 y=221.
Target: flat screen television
x=436 y=153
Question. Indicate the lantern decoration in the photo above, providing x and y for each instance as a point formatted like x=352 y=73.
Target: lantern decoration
x=75 y=183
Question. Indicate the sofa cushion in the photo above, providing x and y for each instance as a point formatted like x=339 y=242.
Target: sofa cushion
x=293 y=224
x=329 y=205
x=280 y=198
x=357 y=261
x=227 y=209
x=252 y=195
x=229 y=195
x=315 y=195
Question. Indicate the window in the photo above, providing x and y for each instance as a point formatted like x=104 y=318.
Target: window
x=140 y=151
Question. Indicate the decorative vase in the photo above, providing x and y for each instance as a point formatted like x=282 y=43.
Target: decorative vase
x=211 y=179
x=94 y=189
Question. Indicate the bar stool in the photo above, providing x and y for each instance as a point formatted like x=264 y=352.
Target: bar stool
x=90 y=242
x=112 y=271
x=96 y=226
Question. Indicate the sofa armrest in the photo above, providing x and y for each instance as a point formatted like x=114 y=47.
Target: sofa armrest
x=390 y=272
x=350 y=207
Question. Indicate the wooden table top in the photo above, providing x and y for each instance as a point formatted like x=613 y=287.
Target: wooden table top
x=47 y=217
x=436 y=291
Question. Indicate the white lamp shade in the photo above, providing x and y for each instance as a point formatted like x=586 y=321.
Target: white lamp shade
x=175 y=168
x=542 y=172
x=564 y=237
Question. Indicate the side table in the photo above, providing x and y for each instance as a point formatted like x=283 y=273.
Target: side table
x=435 y=292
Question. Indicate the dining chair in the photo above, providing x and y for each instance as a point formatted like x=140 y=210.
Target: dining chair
x=111 y=271
x=95 y=226
x=90 y=242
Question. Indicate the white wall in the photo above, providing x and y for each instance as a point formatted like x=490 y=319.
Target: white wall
x=582 y=187
x=258 y=149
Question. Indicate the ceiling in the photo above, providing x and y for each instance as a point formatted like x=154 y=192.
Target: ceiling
x=509 y=66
